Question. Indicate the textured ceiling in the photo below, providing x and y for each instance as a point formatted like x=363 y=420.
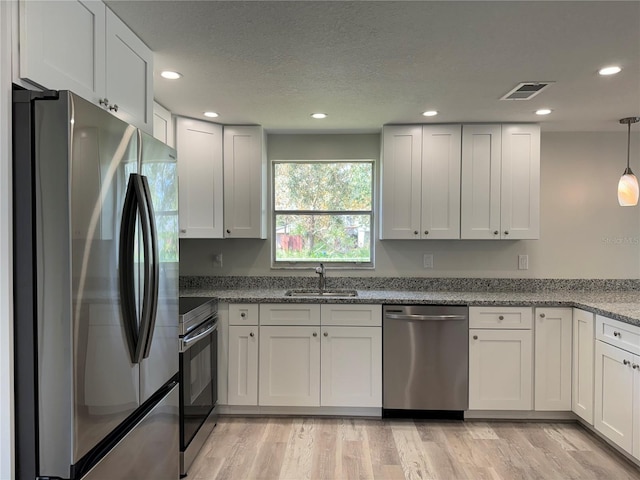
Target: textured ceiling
x=369 y=63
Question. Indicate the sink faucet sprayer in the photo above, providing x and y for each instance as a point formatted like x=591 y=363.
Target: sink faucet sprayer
x=321 y=280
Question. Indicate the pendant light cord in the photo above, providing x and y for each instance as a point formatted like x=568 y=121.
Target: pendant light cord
x=628 y=143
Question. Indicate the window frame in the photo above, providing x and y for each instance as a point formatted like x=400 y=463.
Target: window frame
x=306 y=264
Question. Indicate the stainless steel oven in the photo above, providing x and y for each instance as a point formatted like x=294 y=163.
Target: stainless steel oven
x=198 y=375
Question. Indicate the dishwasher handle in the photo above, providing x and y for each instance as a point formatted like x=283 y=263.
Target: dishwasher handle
x=430 y=318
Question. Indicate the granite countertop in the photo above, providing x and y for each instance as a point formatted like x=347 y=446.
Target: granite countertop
x=623 y=305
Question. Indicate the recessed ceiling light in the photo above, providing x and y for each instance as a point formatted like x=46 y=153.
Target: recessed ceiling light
x=430 y=113
x=543 y=111
x=169 y=75
x=211 y=114
x=611 y=70
x=319 y=115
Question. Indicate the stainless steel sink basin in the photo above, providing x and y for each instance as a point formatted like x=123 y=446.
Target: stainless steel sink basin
x=312 y=292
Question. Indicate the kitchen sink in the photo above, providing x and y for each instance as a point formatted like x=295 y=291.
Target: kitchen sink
x=314 y=292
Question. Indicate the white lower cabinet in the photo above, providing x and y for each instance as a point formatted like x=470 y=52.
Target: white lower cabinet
x=582 y=365
x=243 y=365
x=617 y=400
x=552 y=365
x=351 y=366
x=617 y=383
x=500 y=369
x=305 y=355
x=289 y=369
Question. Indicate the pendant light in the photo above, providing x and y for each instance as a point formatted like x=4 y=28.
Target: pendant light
x=628 y=184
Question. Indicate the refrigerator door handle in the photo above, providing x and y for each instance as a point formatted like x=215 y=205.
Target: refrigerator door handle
x=150 y=266
x=126 y=268
x=155 y=267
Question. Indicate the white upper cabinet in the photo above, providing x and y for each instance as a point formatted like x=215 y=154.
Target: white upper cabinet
x=421 y=182
x=481 y=146
x=163 y=125
x=199 y=147
x=520 y=183
x=62 y=45
x=441 y=181
x=245 y=189
x=129 y=70
x=401 y=182
x=500 y=182
x=83 y=47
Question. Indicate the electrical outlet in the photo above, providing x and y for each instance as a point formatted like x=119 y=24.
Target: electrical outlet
x=523 y=262
x=427 y=260
x=217 y=260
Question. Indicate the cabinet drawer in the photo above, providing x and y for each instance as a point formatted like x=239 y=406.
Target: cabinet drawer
x=619 y=334
x=500 y=317
x=243 y=314
x=289 y=314
x=352 y=315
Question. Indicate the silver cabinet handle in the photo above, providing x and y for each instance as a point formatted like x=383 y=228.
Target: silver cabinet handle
x=426 y=232
x=315 y=334
x=228 y=231
x=415 y=232
x=243 y=314
x=183 y=230
x=635 y=366
x=626 y=362
x=506 y=232
x=501 y=317
x=104 y=102
x=251 y=334
x=326 y=334
x=542 y=315
x=616 y=334
x=496 y=232
x=475 y=337
x=113 y=108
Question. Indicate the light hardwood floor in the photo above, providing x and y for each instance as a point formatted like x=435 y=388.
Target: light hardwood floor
x=346 y=449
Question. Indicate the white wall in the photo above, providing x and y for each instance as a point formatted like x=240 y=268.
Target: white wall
x=6 y=312
x=584 y=233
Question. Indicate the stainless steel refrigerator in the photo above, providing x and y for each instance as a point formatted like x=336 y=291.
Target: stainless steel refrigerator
x=96 y=294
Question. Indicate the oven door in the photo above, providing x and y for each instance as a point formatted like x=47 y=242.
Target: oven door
x=198 y=378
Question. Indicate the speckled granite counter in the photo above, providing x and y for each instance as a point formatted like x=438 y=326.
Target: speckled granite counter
x=622 y=305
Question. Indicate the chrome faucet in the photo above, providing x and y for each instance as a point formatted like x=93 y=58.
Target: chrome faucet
x=321 y=280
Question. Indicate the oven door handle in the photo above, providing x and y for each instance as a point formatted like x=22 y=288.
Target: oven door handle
x=197 y=335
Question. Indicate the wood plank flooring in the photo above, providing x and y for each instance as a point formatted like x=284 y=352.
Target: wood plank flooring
x=286 y=448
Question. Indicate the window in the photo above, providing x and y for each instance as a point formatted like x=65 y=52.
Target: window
x=323 y=212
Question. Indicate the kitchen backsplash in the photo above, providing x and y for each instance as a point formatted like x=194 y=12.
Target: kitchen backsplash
x=413 y=283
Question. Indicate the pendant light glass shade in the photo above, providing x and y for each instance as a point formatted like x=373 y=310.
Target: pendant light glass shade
x=628 y=190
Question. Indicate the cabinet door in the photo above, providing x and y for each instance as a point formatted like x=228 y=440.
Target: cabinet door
x=62 y=46
x=401 y=182
x=440 y=181
x=245 y=176
x=481 y=163
x=290 y=366
x=163 y=125
x=552 y=367
x=129 y=74
x=500 y=370
x=614 y=395
x=351 y=367
x=243 y=365
x=520 y=182
x=199 y=146
x=582 y=377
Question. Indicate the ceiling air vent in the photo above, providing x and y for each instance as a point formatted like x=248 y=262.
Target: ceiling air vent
x=526 y=90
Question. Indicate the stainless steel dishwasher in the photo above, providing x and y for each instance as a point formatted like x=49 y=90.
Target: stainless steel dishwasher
x=425 y=361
